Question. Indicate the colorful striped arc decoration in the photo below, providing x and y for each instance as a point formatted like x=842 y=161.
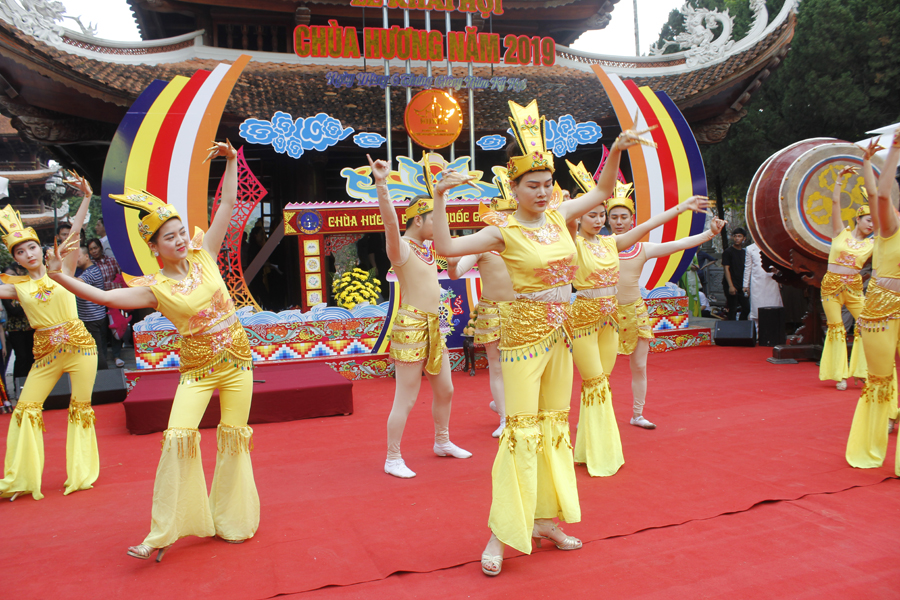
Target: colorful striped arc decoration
x=159 y=147
x=663 y=176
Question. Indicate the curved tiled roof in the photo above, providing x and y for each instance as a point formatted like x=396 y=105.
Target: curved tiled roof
x=301 y=89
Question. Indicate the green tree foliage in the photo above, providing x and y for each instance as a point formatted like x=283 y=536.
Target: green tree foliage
x=840 y=79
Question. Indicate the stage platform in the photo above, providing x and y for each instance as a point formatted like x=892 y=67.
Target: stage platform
x=741 y=492
x=281 y=392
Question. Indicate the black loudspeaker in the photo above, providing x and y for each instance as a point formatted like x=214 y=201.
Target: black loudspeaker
x=735 y=333
x=109 y=387
x=771 y=326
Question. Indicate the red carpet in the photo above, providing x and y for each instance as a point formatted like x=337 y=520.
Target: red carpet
x=734 y=432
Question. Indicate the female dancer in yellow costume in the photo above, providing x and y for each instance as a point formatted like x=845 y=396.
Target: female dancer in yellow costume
x=61 y=345
x=843 y=286
x=533 y=477
x=595 y=322
x=215 y=354
x=879 y=322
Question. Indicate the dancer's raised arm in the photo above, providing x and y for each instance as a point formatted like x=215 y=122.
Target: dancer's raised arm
x=869 y=180
x=485 y=240
x=124 y=299
x=215 y=235
x=667 y=248
x=837 y=223
x=84 y=187
x=887 y=215
x=463 y=266
x=606 y=183
x=392 y=243
x=631 y=237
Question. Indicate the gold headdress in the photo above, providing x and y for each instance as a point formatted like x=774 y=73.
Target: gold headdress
x=506 y=201
x=421 y=206
x=581 y=176
x=863 y=211
x=621 y=197
x=529 y=128
x=16 y=233
x=158 y=212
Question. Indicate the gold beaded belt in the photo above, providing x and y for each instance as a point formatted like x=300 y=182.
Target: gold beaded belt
x=71 y=336
x=201 y=354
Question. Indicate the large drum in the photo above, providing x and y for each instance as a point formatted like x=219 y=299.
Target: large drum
x=789 y=200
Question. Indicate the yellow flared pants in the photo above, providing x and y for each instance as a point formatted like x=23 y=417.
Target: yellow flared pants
x=833 y=365
x=533 y=476
x=597 y=441
x=180 y=503
x=867 y=443
x=24 y=461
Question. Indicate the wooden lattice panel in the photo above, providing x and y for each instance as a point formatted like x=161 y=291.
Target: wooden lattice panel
x=250 y=192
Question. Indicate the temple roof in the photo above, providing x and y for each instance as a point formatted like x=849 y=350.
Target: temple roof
x=64 y=88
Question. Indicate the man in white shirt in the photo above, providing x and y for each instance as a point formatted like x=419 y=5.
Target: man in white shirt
x=759 y=284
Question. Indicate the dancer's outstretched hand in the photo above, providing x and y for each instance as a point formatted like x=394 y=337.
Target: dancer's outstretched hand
x=872 y=149
x=221 y=149
x=380 y=169
x=847 y=170
x=54 y=260
x=717 y=226
x=79 y=182
x=697 y=203
x=69 y=246
x=450 y=178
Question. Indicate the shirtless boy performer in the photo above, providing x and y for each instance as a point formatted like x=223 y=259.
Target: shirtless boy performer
x=497 y=297
x=415 y=335
x=634 y=322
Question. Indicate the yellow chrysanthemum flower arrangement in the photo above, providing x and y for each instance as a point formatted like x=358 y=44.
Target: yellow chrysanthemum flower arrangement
x=354 y=287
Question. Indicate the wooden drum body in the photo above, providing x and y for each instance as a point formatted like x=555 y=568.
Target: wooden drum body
x=788 y=210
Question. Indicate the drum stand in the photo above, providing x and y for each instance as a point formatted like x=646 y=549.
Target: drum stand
x=808 y=340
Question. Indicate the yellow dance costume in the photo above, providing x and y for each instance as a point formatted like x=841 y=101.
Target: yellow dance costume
x=492 y=314
x=415 y=333
x=595 y=343
x=634 y=320
x=843 y=290
x=61 y=345
x=533 y=475
x=880 y=329
x=215 y=354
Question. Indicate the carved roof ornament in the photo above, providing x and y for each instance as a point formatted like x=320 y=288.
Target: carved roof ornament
x=700 y=43
x=41 y=19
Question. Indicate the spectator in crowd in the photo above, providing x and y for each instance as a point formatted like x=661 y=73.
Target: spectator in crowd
x=62 y=232
x=759 y=284
x=733 y=263
x=100 y=230
x=701 y=261
x=112 y=279
x=20 y=335
x=93 y=315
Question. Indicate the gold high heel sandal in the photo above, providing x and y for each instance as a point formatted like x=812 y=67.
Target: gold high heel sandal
x=143 y=552
x=570 y=543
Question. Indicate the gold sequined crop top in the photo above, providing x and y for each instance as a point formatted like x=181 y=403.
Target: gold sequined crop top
x=887 y=261
x=849 y=252
x=538 y=259
x=46 y=303
x=196 y=303
x=598 y=264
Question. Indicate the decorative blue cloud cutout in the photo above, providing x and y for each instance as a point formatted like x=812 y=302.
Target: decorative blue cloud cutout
x=491 y=142
x=565 y=135
x=293 y=138
x=369 y=140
